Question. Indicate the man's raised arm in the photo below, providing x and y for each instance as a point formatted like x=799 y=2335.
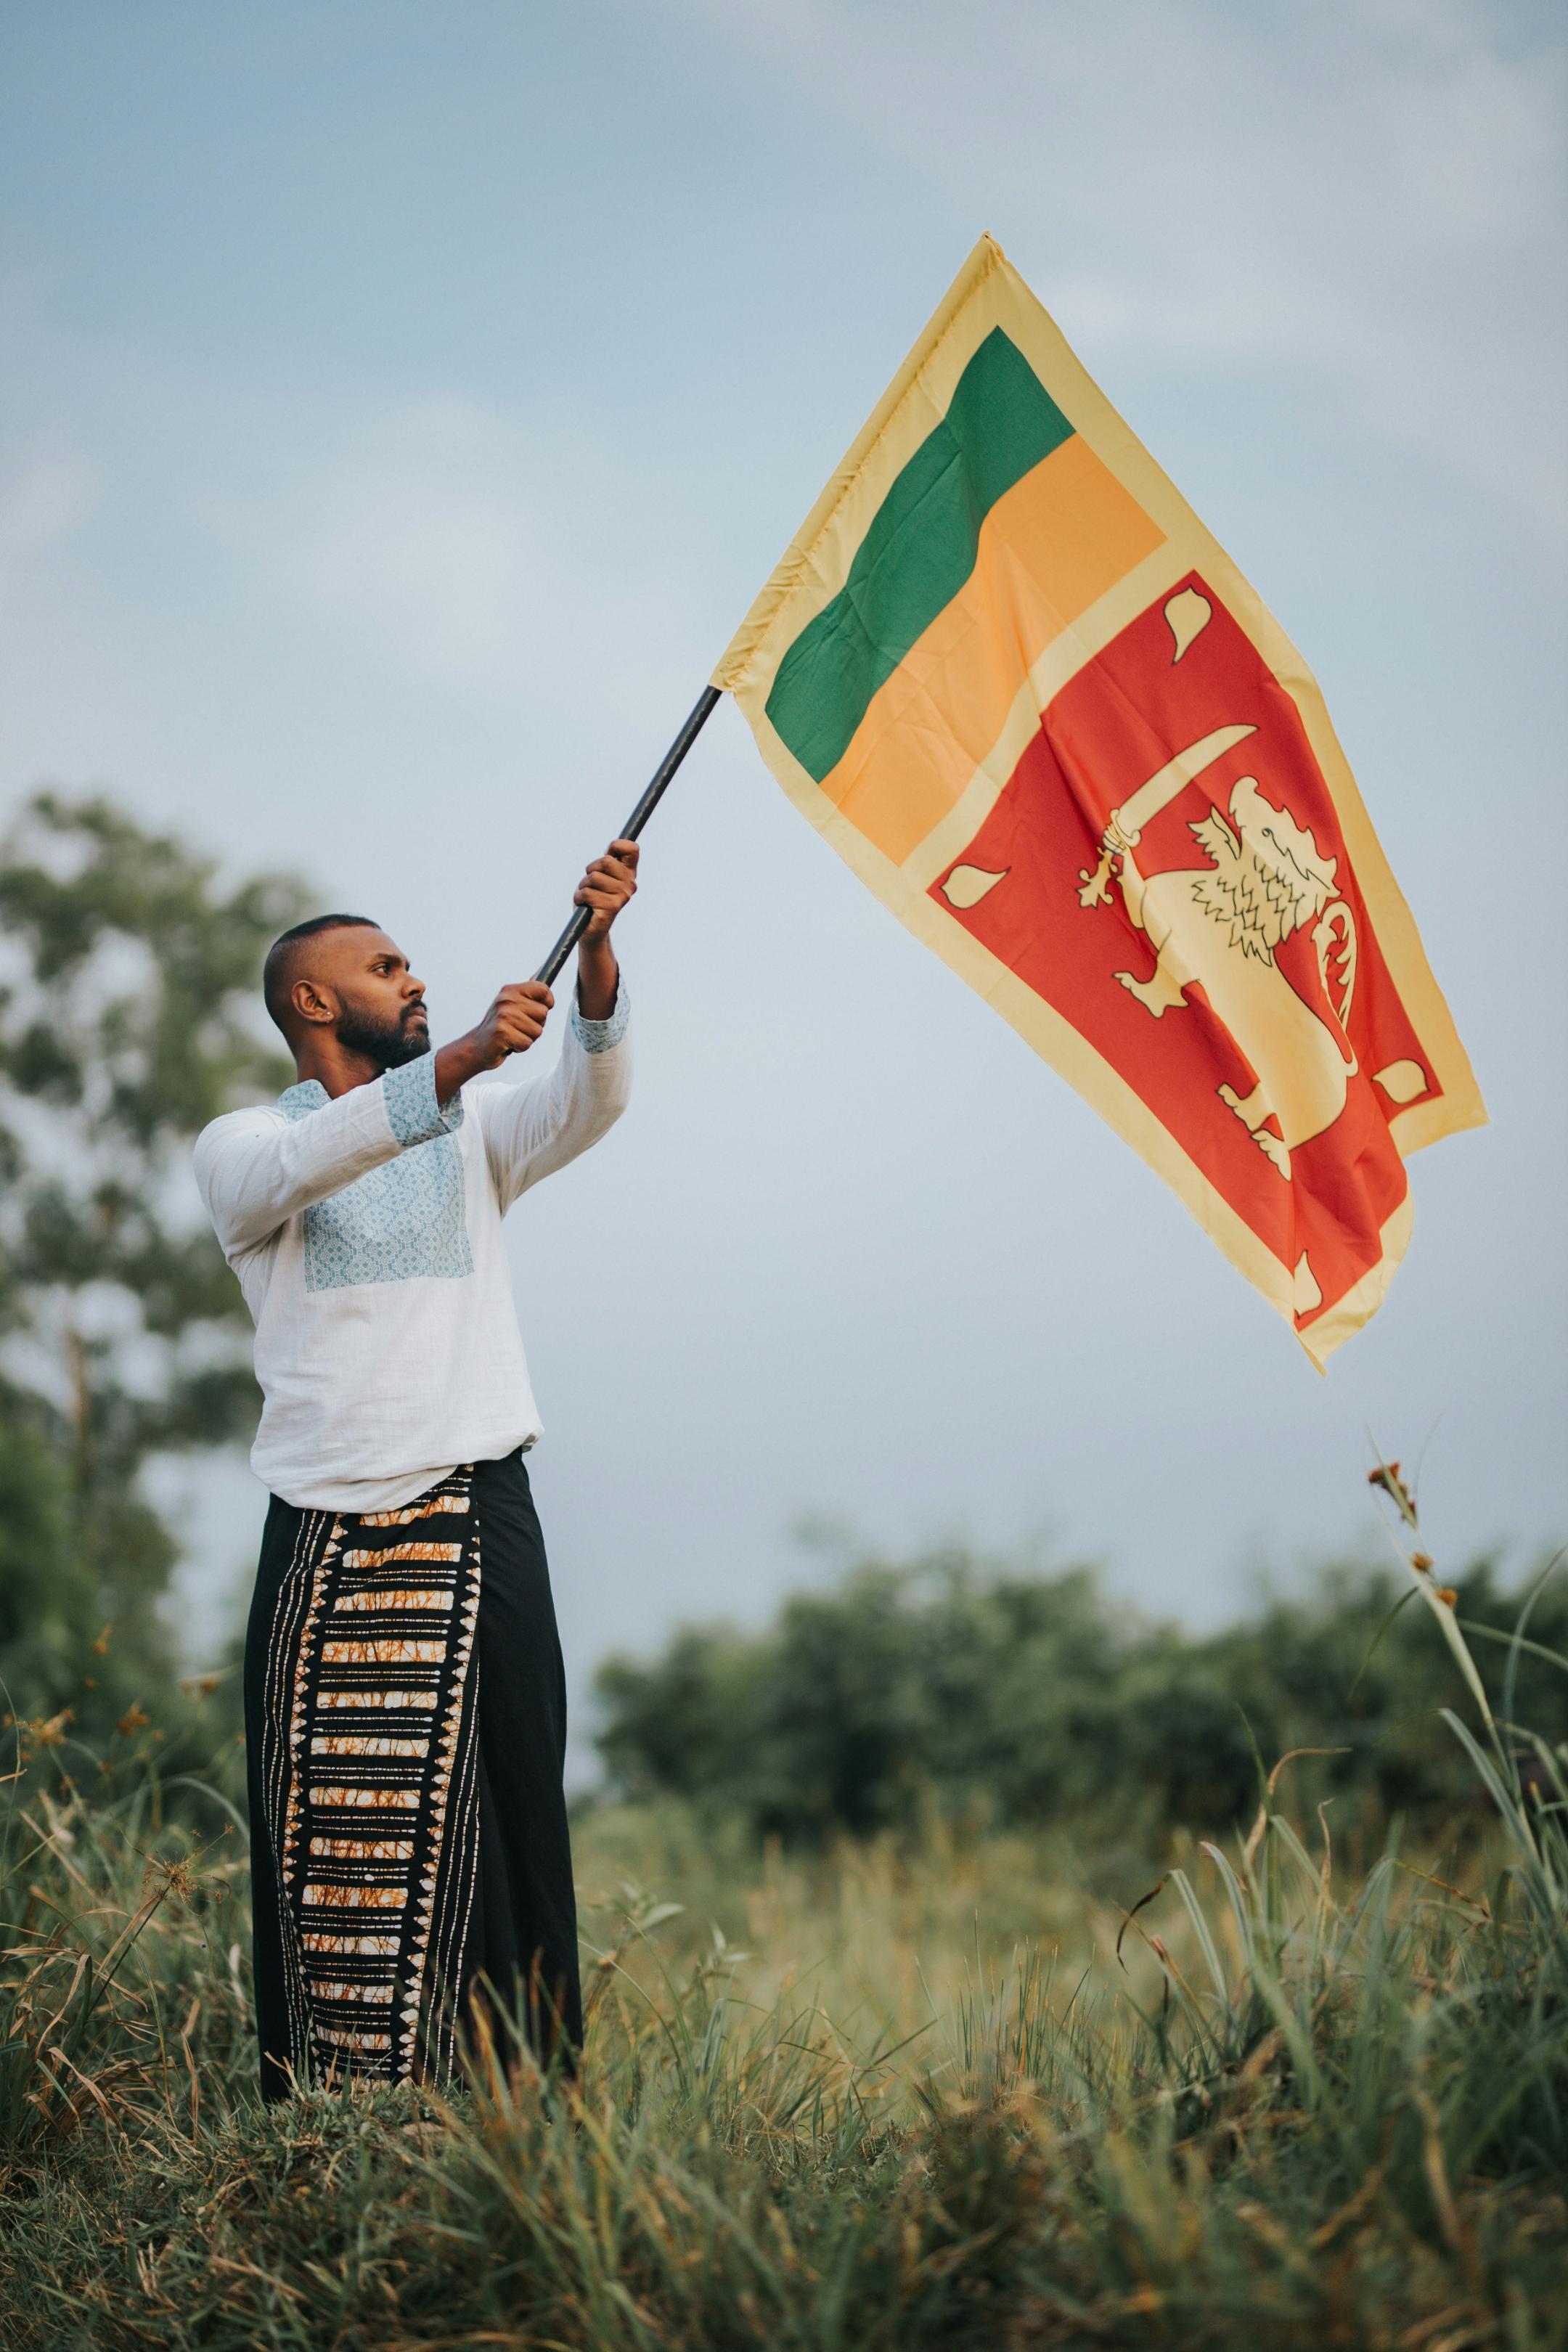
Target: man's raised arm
x=528 y=1132
x=532 y=1130
x=254 y=1170
x=516 y=1019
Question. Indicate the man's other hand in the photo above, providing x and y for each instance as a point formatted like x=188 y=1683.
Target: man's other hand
x=514 y=1022
x=608 y=883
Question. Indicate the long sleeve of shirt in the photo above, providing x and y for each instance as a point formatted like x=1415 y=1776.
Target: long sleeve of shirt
x=532 y=1130
x=255 y=1170
x=366 y=1235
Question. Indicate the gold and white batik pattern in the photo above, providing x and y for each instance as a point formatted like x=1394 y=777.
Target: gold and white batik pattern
x=370 y=1774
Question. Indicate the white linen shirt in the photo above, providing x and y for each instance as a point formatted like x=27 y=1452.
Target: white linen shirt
x=366 y=1233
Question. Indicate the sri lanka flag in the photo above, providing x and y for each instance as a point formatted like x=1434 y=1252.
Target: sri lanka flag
x=1008 y=672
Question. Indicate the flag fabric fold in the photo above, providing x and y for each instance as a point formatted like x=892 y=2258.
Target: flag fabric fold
x=1031 y=702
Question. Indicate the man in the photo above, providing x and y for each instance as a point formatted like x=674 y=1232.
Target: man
x=405 y=1710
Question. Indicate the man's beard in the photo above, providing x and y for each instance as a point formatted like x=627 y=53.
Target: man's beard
x=388 y=1042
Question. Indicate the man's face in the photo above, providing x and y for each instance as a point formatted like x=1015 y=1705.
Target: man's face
x=380 y=1004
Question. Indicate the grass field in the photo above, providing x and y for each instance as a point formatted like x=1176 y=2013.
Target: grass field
x=949 y=2090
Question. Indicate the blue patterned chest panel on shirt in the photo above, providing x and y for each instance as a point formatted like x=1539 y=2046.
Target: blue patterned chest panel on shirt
x=399 y=1222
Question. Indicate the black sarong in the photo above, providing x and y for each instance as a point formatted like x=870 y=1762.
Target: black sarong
x=405 y=1727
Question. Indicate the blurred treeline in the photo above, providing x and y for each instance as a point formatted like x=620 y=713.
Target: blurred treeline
x=128 y=1002
x=1021 y=1699
x=129 y=1016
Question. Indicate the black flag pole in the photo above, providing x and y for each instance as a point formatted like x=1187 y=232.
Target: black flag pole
x=634 y=824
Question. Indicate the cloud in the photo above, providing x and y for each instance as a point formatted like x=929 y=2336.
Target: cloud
x=471 y=546
x=44 y=499
x=423 y=538
x=1370 y=194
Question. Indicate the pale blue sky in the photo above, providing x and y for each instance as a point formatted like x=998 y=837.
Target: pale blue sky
x=402 y=405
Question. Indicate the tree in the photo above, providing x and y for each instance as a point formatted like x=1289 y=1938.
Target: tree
x=1032 y=1699
x=128 y=994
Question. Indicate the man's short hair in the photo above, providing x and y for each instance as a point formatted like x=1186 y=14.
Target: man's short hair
x=284 y=959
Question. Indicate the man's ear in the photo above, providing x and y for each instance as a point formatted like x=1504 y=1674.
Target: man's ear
x=313 y=1004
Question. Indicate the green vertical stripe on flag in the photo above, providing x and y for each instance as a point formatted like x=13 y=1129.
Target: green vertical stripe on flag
x=918 y=552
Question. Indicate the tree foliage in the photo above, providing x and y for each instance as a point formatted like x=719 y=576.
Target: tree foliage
x=1031 y=1699
x=127 y=989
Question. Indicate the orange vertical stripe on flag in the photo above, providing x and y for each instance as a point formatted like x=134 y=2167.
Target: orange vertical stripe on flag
x=1048 y=549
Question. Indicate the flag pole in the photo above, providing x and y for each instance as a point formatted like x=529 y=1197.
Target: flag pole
x=634 y=824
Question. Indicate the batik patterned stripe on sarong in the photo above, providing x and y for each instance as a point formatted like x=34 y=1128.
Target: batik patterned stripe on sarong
x=369 y=1780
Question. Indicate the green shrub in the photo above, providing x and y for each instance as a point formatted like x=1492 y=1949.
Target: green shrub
x=1032 y=1699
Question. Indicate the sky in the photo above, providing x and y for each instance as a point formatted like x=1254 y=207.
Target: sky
x=400 y=408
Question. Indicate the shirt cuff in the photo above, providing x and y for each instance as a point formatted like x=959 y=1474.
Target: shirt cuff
x=411 y=1109
x=598 y=1037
